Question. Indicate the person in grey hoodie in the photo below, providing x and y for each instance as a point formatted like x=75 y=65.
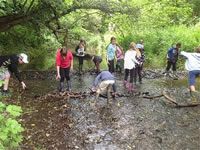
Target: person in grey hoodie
x=192 y=65
x=107 y=82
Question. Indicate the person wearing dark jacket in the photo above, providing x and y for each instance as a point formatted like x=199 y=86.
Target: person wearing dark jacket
x=107 y=82
x=172 y=57
x=9 y=63
x=80 y=53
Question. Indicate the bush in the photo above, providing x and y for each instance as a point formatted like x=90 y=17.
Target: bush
x=10 y=129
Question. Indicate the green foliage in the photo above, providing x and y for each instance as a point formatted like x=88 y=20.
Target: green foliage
x=10 y=129
x=157 y=42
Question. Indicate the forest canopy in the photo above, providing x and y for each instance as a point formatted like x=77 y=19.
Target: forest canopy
x=40 y=27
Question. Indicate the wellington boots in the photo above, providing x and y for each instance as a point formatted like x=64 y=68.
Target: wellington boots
x=131 y=89
x=61 y=87
x=69 y=85
x=194 y=97
x=124 y=84
x=108 y=97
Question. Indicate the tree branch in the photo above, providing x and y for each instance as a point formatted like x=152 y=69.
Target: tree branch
x=30 y=6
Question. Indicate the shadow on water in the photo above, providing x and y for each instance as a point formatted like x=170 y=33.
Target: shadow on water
x=127 y=123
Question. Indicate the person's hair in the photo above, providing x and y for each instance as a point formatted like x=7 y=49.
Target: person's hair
x=141 y=41
x=197 y=49
x=132 y=46
x=178 y=44
x=112 y=38
x=83 y=41
x=63 y=52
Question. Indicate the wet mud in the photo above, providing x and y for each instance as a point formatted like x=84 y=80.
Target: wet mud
x=128 y=123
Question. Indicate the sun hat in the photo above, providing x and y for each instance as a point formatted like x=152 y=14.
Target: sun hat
x=23 y=57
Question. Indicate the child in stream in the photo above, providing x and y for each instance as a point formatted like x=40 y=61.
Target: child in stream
x=80 y=53
x=192 y=65
x=130 y=64
x=64 y=63
x=107 y=82
x=141 y=60
x=97 y=60
x=120 y=57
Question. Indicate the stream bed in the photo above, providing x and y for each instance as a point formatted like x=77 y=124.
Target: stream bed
x=128 y=123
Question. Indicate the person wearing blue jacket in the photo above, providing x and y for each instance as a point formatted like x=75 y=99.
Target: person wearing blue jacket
x=172 y=57
x=107 y=82
x=192 y=65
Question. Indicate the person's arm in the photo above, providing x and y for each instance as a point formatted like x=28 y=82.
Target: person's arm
x=185 y=54
x=14 y=69
x=107 y=60
x=96 y=82
x=58 y=62
x=72 y=65
x=77 y=47
x=58 y=72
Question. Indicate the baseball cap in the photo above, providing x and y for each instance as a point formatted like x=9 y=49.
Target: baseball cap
x=24 y=57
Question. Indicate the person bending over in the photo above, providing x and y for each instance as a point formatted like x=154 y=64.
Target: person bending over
x=97 y=60
x=9 y=63
x=107 y=82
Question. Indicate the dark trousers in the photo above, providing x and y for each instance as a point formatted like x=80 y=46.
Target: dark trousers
x=97 y=64
x=132 y=72
x=111 y=66
x=169 y=64
x=138 y=72
x=64 y=73
x=80 y=59
x=118 y=66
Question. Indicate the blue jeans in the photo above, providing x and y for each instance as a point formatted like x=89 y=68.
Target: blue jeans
x=192 y=76
x=118 y=66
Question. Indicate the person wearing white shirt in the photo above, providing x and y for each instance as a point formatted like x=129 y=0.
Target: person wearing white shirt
x=130 y=63
x=192 y=65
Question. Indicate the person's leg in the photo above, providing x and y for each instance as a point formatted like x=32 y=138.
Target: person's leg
x=117 y=65
x=131 y=79
x=140 y=73
x=109 y=66
x=98 y=67
x=135 y=74
x=112 y=66
x=125 y=77
x=174 y=67
x=81 y=62
x=67 y=71
x=168 y=66
x=108 y=93
x=62 y=75
x=6 y=80
x=193 y=93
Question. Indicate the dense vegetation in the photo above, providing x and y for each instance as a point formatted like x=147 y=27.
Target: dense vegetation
x=40 y=27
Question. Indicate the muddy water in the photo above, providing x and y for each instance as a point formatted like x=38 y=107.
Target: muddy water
x=128 y=123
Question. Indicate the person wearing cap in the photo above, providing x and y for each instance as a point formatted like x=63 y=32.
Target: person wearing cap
x=107 y=82
x=141 y=60
x=9 y=63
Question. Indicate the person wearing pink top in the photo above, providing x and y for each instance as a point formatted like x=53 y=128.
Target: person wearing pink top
x=120 y=56
x=64 y=62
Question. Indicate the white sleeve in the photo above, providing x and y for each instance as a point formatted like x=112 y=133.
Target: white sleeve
x=185 y=54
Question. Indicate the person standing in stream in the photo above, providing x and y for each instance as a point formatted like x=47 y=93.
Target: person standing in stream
x=80 y=53
x=192 y=65
x=120 y=57
x=97 y=60
x=141 y=60
x=64 y=63
x=111 y=50
x=130 y=62
x=172 y=58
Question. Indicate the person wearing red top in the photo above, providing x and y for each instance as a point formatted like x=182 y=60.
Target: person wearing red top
x=64 y=62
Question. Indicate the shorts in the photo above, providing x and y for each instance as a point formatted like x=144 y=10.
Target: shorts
x=3 y=72
x=192 y=76
x=105 y=84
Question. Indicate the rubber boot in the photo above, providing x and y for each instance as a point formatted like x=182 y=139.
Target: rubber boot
x=61 y=87
x=194 y=97
x=131 y=87
x=69 y=85
x=124 y=84
x=108 y=96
